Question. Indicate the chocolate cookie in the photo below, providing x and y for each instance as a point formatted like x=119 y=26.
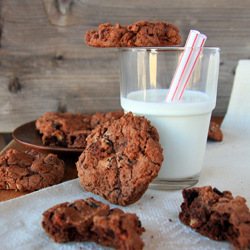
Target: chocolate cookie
x=29 y=171
x=121 y=159
x=217 y=215
x=101 y=118
x=58 y=128
x=71 y=130
x=214 y=132
x=91 y=220
x=140 y=34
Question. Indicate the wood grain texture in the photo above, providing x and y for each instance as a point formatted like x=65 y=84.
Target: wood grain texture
x=45 y=64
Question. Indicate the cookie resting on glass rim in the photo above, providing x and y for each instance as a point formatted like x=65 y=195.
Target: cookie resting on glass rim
x=140 y=34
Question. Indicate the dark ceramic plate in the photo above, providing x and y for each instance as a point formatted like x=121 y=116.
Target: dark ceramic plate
x=28 y=136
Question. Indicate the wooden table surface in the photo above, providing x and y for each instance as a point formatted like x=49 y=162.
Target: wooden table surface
x=70 y=168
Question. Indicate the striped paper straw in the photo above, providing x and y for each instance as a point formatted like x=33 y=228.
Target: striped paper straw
x=186 y=65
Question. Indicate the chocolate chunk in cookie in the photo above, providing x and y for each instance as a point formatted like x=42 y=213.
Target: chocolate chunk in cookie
x=217 y=215
x=91 y=220
x=140 y=34
x=58 y=128
x=29 y=171
x=214 y=132
x=121 y=159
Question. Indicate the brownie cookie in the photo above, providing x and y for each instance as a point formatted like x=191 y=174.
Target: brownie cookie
x=140 y=34
x=101 y=118
x=217 y=215
x=29 y=171
x=91 y=220
x=58 y=129
x=121 y=159
x=214 y=132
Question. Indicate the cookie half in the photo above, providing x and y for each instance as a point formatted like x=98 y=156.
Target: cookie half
x=91 y=220
x=29 y=171
x=121 y=159
x=217 y=215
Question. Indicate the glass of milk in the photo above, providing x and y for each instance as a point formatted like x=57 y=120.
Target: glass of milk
x=145 y=77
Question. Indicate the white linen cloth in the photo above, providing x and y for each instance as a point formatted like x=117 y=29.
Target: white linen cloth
x=226 y=167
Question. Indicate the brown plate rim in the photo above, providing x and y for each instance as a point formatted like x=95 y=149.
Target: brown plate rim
x=33 y=139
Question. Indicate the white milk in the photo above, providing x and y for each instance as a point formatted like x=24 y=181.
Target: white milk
x=182 y=126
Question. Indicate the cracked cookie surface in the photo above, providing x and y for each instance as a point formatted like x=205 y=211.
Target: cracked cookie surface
x=217 y=215
x=29 y=171
x=91 y=220
x=140 y=34
x=101 y=118
x=121 y=159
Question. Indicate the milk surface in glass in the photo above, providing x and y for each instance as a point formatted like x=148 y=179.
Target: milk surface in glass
x=182 y=126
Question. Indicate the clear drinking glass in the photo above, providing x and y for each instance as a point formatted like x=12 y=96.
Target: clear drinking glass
x=145 y=77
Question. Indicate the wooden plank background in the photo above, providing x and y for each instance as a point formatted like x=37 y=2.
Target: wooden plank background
x=45 y=64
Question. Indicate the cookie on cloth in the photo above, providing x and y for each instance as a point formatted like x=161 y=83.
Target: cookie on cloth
x=140 y=34
x=217 y=215
x=91 y=220
x=29 y=171
x=121 y=159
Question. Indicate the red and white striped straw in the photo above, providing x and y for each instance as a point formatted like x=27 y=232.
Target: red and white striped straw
x=186 y=65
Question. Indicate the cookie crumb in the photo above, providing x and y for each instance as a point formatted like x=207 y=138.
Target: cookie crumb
x=214 y=132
